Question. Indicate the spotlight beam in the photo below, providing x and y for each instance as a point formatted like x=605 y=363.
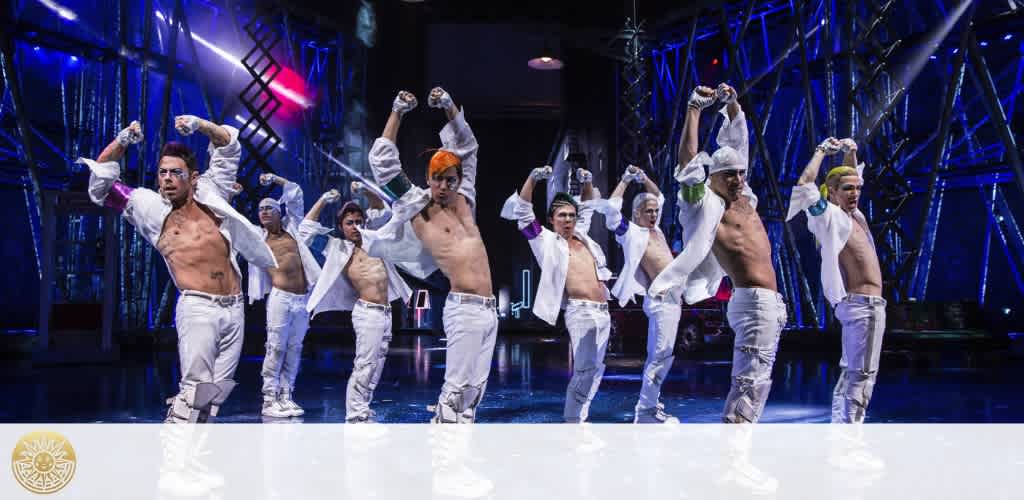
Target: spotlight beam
x=285 y=92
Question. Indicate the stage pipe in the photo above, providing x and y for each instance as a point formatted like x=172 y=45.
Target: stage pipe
x=953 y=86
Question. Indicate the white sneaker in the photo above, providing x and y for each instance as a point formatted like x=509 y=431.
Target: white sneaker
x=289 y=404
x=654 y=415
x=274 y=408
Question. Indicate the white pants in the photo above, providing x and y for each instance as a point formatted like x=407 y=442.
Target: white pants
x=372 y=324
x=663 y=314
x=210 y=333
x=757 y=316
x=863 y=319
x=287 y=322
x=471 y=325
x=589 y=327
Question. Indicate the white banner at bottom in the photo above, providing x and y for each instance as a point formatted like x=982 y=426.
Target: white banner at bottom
x=534 y=461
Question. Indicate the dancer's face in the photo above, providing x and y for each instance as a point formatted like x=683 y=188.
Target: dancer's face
x=350 y=226
x=563 y=221
x=175 y=180
x=647 y=214
x=729 y=184
x=444 y=186
x=269 y=217
x=846 y=193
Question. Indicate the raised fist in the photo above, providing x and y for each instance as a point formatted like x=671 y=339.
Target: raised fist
x=725 y=93
x=541 y=173
x=701 y=97
x=634 y=174
x=267 y=179
x=584 y=175
x=847 y=145
x=356 y=186
x=330 y=196
x=830 y=146
x=186 y=124
x=404 y=103
x=130 y=135
x=439 y=98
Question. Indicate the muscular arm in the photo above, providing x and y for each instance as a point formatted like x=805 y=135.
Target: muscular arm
x=619 y=190
x=374 y=200
x=587 y=191
x=219 y=136
x=651 y=187
x=314 y=211
x=526 y=193
x=688 y=139
x=850 y=158
x=810 y=173
x=113 y=152
x=391 y=127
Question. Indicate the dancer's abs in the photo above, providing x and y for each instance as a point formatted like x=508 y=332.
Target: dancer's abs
x=368 y=276
x=199 y=260
x=742 y=248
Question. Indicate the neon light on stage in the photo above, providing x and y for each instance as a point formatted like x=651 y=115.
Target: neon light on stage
x=60 y=10
x=276 y=86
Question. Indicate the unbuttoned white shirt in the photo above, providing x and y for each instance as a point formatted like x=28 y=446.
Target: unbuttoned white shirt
x=396 y=241
x=333 y=291
x=260 y=282
x=146 y=209
x=832 y=227
x=696 y=269
x=551 y=251
x=633 y=238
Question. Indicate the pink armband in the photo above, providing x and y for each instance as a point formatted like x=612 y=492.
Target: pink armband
x=117 y=197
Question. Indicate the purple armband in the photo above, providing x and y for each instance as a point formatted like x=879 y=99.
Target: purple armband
x=117 y=197
x=623 y=227
x=532 y=230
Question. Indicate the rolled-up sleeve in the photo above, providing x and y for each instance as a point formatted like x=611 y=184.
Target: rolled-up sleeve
x=458 y=138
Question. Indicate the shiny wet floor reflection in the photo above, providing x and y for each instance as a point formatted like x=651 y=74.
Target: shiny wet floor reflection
x=527 y=384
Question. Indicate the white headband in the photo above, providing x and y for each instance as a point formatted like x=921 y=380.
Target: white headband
x=272 y=203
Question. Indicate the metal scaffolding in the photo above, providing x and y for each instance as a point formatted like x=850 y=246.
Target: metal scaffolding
x=849 y=69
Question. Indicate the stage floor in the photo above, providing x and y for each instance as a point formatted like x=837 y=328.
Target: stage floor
x=528 y=379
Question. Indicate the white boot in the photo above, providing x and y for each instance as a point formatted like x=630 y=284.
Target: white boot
x=289 y=404
x=654 y=415
x=273 y=407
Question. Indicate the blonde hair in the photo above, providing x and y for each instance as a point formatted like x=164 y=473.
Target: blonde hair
x=833 y=178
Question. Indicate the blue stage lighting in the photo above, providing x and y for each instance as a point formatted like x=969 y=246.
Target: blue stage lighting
x=1008 y=36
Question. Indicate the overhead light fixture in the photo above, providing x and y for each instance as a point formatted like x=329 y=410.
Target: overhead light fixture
x=547 y=60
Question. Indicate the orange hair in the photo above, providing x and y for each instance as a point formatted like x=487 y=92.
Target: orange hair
x=443 y=160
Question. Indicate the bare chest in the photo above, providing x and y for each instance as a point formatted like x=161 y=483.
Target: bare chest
x=190 y=235
x=444 y=227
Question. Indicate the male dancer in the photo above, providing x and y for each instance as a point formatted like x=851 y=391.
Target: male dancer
x=288 y=286
x=722 y=234
x=199 y=235
x=572 y=276
x=646 y=253
x=850 y=275
x=354 y=281
x=436 y=228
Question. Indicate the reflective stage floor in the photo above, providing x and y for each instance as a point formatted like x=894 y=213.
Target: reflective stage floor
x=528 y=379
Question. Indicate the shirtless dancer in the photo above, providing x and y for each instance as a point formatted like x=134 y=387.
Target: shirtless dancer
x=354 y=281
x=199 y=235
x=436 y=228
x=646 y=253
x=850 y=275
x=723 y=235
x=572 y=275
x=288 y=287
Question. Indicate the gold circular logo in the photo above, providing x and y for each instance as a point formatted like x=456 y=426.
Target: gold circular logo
x=43 y=462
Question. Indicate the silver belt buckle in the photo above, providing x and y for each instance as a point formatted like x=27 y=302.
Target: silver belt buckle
x=224 y=300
